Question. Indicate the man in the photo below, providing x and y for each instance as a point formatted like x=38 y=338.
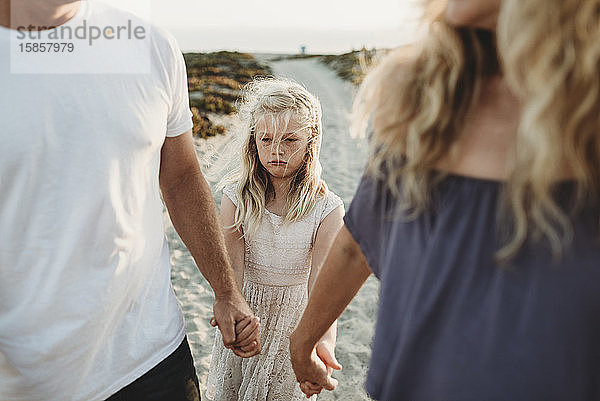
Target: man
x=87 y=311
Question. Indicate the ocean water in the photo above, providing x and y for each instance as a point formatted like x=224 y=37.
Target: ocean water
x=343 y=159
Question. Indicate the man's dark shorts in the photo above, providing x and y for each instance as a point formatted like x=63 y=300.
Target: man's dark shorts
x=174 y=379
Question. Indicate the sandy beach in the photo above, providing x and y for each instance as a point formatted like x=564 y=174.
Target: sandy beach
x=343 y=159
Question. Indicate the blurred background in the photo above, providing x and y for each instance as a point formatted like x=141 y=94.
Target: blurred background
x=332 y=26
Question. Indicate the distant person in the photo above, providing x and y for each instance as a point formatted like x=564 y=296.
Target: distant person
x=479 y=211
x=279 y=219
x=87 y=310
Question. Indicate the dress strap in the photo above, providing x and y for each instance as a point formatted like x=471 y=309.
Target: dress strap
x=332 y=201
x=230 y=191
x=326 y=206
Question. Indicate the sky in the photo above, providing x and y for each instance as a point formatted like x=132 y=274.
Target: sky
x=282 y=26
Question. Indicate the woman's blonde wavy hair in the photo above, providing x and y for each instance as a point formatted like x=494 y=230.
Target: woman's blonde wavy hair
x=277 y=100
x=418 y=97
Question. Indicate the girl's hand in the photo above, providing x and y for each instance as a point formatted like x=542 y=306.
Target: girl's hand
x=310 y=389
x=247 y=337
x=326 y=352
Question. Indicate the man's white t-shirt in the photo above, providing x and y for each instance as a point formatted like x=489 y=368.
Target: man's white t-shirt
x=86 y=302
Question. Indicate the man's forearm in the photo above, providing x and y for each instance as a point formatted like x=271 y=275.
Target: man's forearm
x=194 y=216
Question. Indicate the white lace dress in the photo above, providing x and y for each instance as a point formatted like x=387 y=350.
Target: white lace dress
x=277 y=266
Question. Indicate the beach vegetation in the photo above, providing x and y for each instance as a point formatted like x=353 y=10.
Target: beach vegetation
x=215 y=81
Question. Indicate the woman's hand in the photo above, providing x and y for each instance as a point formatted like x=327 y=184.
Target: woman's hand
x=326 y=353
x=343 y=273
x=313 y=367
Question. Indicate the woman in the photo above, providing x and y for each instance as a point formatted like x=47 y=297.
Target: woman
x=478 y=211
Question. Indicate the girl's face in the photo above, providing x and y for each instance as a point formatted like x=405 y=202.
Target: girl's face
x=473 y=13
x=281 y=148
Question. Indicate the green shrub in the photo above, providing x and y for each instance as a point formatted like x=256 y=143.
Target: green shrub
x=213 y=104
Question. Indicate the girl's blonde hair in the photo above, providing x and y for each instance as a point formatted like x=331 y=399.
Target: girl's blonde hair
x=280 y=101
x=418 y=98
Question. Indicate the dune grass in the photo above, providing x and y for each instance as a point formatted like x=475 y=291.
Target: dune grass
x=352 y=66
x=214 y=82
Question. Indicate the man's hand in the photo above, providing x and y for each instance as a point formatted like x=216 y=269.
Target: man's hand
x=238 y=325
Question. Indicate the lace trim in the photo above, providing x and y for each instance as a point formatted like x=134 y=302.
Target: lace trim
x=275 y=277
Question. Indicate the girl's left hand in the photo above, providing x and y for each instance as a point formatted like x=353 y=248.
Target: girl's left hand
x=326 y=352
x=310 y=389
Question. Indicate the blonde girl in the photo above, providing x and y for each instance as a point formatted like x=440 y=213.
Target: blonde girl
x=280 y=219
x=479 y=211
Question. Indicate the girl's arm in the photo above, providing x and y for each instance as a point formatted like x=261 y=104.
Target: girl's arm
x=326 y=233
x=247 y=329
x=343 y=273
x=234 y=241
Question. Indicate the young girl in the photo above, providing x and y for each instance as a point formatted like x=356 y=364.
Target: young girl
x=280 y=220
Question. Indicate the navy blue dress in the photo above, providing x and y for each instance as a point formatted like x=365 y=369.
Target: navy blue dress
x=453 y=325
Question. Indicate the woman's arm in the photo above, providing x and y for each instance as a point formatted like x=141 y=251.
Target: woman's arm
x=326 y=233
x=343 y=273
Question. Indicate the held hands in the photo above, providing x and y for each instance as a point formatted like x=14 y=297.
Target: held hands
x=313 y=368
x=238 y=325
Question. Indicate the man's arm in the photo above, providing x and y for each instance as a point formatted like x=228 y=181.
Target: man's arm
x=194 y=215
